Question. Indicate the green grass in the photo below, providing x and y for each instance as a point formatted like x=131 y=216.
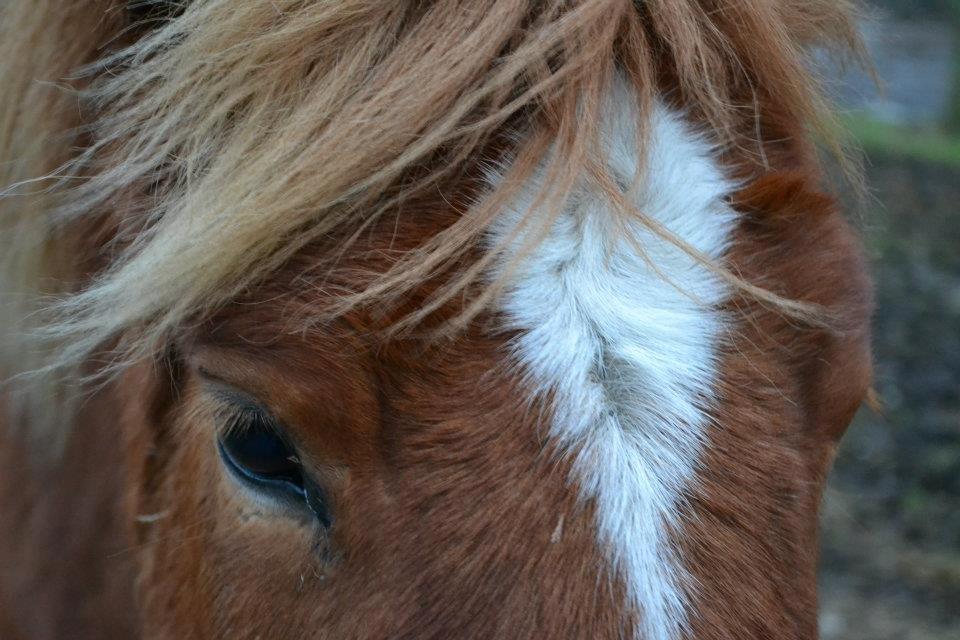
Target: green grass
x=891 y=140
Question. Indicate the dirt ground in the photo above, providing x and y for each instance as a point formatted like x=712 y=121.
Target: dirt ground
x=890 y=567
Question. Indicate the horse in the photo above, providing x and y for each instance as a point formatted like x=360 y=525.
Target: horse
x=447 y=319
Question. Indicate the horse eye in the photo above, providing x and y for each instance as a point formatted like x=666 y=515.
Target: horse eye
x=261 y=457
x=257 y=454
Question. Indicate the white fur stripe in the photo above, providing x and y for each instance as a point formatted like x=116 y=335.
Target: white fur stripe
x=630 y=357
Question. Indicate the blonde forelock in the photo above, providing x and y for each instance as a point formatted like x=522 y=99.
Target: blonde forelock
x=251 y=129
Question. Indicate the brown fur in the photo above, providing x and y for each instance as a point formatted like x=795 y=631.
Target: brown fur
x=434 y=449
x=454 y=517
x=67 y=562
x=440 y=478
x=786 y=396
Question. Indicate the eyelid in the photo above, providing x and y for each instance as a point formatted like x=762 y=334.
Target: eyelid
x=224 y=387
x=234 y=403
x=236 y=418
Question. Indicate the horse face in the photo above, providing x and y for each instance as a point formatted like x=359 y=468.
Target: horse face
x=446 y=512
x=330 y=482
x=623 y=446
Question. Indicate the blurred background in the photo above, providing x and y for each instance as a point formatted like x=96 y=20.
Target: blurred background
x=890 y=567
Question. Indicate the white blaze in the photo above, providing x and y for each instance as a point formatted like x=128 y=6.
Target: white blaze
x=629 y=356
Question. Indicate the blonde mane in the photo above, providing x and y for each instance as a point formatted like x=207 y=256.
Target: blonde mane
x=230 y=135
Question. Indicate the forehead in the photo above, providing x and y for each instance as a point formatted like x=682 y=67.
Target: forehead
x=664 y=387
x=778 y=231
x=335 y=380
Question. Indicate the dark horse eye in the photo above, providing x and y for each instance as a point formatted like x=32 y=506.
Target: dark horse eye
x=259 y=456
x=262 y=456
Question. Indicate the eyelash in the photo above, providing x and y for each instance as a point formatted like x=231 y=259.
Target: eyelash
x=237 y=418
